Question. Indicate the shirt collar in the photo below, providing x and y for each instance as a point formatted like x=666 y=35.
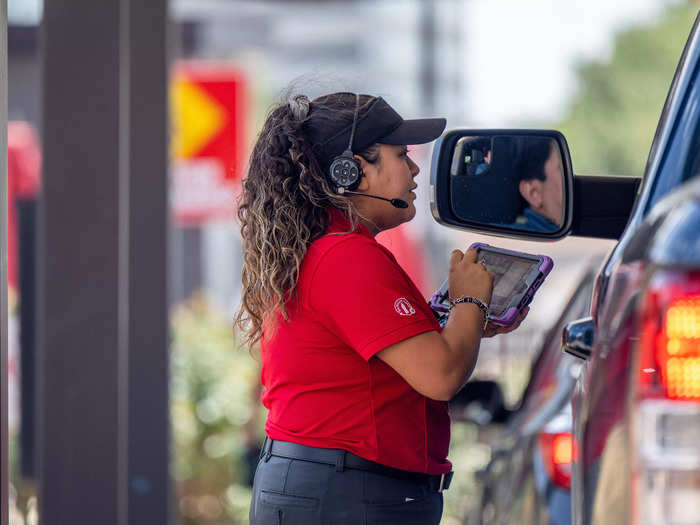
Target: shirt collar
x=539 y=221
x=340 y=223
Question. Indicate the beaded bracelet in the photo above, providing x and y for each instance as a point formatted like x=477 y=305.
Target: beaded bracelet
x=484 y=309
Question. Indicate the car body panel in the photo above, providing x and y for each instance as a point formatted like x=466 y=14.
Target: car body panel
x=662 y=232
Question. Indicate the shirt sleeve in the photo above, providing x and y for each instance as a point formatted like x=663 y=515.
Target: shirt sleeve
x=360 y=294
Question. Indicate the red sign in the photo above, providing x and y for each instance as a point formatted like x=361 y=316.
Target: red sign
x=209 y=102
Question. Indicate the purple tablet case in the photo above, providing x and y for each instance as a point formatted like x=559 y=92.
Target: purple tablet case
x=439 y=301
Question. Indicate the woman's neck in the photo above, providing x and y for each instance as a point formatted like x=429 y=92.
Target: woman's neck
x=371 y=227
x=366 y=211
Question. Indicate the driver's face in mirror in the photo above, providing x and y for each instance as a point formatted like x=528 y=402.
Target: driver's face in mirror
x=514 y=181
x=540 y=181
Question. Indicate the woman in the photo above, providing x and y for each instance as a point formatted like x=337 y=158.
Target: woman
x=355 y=369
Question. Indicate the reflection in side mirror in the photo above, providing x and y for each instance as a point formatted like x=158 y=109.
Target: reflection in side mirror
x=503 y=180
x=512 y=181
x=479 y=402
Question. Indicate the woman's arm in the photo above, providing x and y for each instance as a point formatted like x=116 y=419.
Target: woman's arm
x=438 y=364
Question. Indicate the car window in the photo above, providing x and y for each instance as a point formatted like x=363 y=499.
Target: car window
x=680 y=158
x=693 y=165
x=682 y=128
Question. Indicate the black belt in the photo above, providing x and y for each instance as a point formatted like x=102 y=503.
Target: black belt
x=342 y=459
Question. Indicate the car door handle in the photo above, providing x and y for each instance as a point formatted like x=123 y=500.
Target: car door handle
x=577 y=338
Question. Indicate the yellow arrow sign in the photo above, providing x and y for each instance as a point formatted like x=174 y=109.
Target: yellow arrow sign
x=196 y=118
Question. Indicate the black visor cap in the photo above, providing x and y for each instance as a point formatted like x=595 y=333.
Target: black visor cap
x=415 y=131
x=377 y=122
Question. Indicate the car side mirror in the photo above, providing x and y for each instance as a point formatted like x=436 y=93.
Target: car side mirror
x=503 y=181
x=479 y=402
x=520 y=183
x=577 y=338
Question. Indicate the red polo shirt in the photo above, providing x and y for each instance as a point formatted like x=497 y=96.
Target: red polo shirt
x=324 y=387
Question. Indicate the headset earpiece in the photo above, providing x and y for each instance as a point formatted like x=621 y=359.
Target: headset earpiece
x=345 y=170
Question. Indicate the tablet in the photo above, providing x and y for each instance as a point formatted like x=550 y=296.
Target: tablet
x=517 y=276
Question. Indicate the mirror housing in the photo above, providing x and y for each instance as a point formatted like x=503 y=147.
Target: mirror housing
x=480 y=403
x=593 y=206
x=470 y=192
x=577 y=338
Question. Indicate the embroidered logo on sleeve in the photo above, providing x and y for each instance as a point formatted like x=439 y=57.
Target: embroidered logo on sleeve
x=403 y=307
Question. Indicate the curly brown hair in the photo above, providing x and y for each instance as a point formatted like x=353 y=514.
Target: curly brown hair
x=284 y=207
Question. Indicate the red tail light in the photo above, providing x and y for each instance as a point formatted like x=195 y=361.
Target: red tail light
x=671 y=338
x=680 y=348
x=666 y=409
x=556 y=452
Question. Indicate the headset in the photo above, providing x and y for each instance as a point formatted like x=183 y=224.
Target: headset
x=346 y=172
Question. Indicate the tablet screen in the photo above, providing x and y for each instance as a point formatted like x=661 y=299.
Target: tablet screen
x=509 y=272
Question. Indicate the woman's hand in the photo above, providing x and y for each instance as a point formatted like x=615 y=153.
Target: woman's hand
x=468 y=278
x=492 y=329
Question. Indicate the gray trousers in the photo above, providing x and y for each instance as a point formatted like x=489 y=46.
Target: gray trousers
x=295 y=492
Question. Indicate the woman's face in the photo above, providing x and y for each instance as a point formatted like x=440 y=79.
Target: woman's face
x=392 y=177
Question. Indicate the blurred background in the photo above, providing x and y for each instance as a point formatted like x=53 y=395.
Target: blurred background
x=584 y=68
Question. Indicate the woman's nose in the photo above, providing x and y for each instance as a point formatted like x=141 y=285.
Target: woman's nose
x=413 y=167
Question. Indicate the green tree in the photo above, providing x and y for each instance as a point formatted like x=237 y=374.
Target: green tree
x=612 y=119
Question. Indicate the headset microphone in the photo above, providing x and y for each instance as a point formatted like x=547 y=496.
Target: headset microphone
x=396 y=203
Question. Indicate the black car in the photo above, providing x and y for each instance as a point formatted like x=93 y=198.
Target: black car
x=636 y=408
x=528 y=478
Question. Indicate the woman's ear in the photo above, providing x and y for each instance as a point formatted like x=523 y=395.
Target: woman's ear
x=365 y=166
